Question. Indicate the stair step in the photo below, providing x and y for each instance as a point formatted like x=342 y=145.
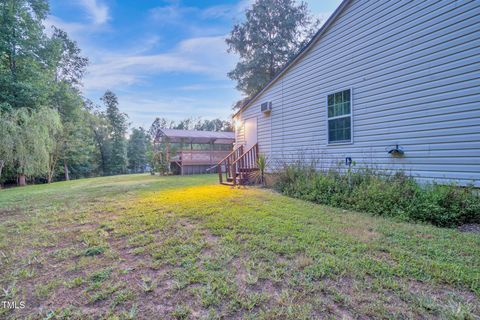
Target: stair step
x=248 y=169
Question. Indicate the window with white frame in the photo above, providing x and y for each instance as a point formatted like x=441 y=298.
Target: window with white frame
x=339 y=116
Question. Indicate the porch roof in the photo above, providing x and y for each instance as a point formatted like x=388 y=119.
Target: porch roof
x=195 y=136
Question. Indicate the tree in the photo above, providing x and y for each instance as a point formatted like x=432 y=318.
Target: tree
x=274 y=31
x=213 y=125
x=68 y=66
x=23 y=73
x=137 y=150
x=8 y=129
x=100 y=129
x=33 y=140
x=118 y=130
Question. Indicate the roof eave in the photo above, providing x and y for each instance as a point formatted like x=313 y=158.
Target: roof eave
x=299 y=55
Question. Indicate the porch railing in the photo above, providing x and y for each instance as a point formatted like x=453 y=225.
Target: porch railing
x=223 y=167
x=244 y=167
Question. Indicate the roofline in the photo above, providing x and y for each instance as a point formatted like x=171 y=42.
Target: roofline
x=298 y=56
x=163 y=133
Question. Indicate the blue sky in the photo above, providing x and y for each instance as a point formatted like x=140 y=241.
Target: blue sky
x=162 y=58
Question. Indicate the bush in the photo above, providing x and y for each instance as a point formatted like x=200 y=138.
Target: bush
x=396 y=195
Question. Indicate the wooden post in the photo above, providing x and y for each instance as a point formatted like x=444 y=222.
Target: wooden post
x=167 y=153
x=211 y=152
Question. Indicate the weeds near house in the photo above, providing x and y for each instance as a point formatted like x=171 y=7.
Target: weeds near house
x=262 y=163
x=394 y=195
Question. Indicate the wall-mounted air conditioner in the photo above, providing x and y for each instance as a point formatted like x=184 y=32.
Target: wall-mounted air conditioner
x=266 y=107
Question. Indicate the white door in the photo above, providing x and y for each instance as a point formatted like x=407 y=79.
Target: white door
x=250 y=132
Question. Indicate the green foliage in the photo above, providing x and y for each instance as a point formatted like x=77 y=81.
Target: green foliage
x=24 y=77
x=40 y=77
x=31 y=139
x=158 y=161
x=100 y=275
x=191 y=124
x=395 y=195
x=181 y=312
x=118 y=130
x=93 y=251
x=262 y=164
x=138 y=146
x=273 y=32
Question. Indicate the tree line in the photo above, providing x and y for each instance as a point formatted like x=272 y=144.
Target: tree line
x=48 y=130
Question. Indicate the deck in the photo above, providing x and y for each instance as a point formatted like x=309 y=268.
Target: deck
x=199 y=157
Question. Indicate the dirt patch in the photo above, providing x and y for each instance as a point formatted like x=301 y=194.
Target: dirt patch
x=13 y=213
x=361 y=234
x=444 y=293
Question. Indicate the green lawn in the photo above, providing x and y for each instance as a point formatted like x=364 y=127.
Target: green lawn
x=141 y=247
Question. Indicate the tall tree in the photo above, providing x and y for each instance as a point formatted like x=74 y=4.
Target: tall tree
x=137 y=150
x=118 y=126
x=8 y=129
x=24 y=75
x=273 y=32
x=68 y=66
x=101 y=135
x=160 y=123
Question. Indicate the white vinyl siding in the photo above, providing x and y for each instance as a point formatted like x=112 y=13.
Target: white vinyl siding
x=415 y=70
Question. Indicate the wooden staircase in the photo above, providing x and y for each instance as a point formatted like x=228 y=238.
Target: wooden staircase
x=239 y=168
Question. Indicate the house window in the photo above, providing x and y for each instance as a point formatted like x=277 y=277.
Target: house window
x=340 y=117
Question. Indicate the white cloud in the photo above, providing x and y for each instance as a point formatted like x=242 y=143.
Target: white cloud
x=203 y=55
x=143 y=110
x=69 y=27
x=98 y=12
x=174 y=13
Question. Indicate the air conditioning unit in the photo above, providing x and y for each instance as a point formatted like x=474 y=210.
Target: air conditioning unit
x=266 y=107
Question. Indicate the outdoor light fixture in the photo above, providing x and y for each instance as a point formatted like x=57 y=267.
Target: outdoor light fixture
x=396 y=151
x=237 y=123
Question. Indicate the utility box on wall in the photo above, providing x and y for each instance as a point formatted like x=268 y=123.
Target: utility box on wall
x=266 y=107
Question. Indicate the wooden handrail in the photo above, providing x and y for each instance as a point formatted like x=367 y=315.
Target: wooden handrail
x=248 y=151
x=230 y=154
x=226 y=162
x=244 y=164
x=239 y=165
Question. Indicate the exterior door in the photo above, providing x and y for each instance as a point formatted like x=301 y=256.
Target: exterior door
x=250 y=132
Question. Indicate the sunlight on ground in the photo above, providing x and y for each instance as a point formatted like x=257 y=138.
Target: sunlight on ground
x=186 y=248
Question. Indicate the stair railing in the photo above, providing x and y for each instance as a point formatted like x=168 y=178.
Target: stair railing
x=241 y=168
x=226 y=164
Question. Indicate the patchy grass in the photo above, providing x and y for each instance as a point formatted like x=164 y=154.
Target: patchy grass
x=140 y=247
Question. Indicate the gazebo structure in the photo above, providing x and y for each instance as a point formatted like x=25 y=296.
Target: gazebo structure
x=194 y=152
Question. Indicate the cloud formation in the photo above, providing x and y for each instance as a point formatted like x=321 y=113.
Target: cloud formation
x=175 y=13
x=202 y=55
x=169 y=61
x=98 y=12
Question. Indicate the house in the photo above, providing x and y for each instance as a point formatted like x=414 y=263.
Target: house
x=194 y=152
x=393 y=85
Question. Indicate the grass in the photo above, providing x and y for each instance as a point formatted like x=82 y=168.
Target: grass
x=140 y=247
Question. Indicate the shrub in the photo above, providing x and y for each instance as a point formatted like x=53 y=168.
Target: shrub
x=396 y=195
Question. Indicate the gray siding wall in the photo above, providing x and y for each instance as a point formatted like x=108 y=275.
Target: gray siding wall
x=414 y=71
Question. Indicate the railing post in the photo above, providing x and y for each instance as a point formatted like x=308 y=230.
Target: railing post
x=220 y=178
x=233 y=173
